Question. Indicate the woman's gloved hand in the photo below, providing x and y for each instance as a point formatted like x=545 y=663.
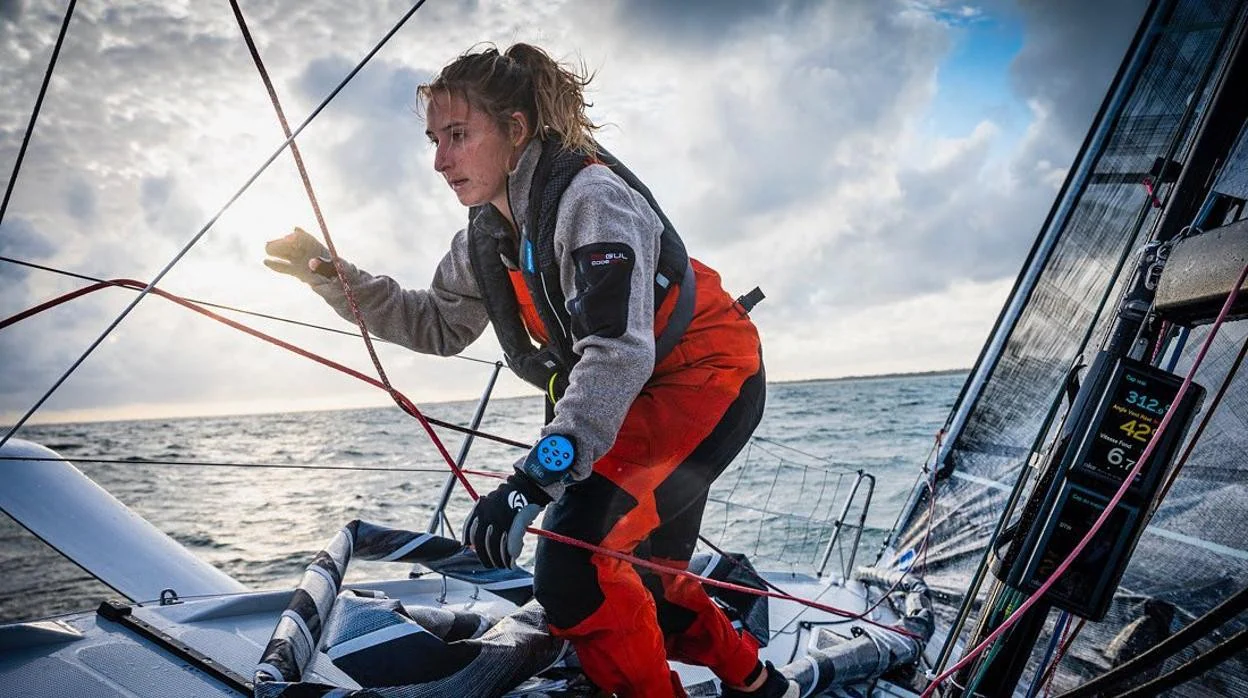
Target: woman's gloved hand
x=495 y=528
x=301 y=256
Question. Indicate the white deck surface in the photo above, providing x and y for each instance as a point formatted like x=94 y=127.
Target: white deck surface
x=88 y=655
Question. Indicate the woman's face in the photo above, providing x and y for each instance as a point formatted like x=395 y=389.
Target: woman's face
x=471 y=151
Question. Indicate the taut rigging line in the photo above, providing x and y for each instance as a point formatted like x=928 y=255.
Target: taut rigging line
x=211 y=221
x=192 y=305
x=206 y=304
x=403 y=402
x=411 y=409
x=34 y=115
x=1057 y=574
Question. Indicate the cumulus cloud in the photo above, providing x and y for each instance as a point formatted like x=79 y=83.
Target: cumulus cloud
x=11 y=10
x=782 y=138
x=20 y=239
x=1072 y=51
x=915 y=220
x=380 y=117
x=702 y=22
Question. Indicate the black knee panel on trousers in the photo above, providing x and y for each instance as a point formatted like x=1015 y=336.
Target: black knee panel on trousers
x=565 y=581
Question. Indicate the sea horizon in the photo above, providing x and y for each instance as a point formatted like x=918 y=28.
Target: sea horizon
x=37 y=421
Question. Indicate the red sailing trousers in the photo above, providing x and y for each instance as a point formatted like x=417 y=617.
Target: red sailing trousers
x=646 y=497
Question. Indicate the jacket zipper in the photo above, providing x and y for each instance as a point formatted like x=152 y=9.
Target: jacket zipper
x=521 y=234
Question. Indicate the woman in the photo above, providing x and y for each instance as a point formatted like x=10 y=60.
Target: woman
x=653 y=374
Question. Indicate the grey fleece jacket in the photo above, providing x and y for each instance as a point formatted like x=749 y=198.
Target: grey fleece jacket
x=597 y=207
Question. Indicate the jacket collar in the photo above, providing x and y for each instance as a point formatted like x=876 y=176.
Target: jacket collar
x=520 y=182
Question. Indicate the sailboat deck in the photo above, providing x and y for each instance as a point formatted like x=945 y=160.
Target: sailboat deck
x=89 y=654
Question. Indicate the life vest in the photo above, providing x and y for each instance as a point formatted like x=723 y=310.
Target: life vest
x=548 y=366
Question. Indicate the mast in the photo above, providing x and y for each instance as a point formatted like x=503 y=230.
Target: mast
x=1038 y=257
x=1066 y=492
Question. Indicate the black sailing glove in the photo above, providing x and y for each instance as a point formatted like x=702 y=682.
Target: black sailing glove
x=495 y=528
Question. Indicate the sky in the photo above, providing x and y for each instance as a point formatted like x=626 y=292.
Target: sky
x=879 y=168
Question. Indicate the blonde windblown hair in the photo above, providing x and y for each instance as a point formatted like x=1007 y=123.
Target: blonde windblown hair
x=522 y=79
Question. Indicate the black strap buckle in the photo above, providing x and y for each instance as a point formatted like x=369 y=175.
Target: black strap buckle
x=746 y=302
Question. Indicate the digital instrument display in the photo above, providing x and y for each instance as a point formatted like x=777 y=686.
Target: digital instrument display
x=1119 y=410
x=1137 y=400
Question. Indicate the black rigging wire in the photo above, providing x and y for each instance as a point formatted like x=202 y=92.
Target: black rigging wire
x=193 y=305
x=1228 y=609
x=795 y=450
x=1204 y=421
x=1202 y=626
x=151 y=285
x=211 y=221
x=219 y=306
x=34 y=116
x=1190 y=670
x=222 y=464
x=1151 y=90
x=1070 y=634
x=320 y=218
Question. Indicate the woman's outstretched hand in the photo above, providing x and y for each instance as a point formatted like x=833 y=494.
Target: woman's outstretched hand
x=300 y=255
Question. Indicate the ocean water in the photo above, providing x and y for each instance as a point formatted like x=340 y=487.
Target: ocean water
x=263 y=524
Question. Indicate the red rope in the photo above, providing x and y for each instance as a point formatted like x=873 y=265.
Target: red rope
x=383 y=381
x=1152 y=194
x=677 y=572
x=13 y=319
x=1109 y=508
x=1068 y=640
x=404 y=402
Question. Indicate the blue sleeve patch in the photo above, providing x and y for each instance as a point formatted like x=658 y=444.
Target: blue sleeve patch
x=604 y=282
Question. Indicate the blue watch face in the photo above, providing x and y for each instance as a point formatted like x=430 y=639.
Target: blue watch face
x=555 y=453
x=550 y=460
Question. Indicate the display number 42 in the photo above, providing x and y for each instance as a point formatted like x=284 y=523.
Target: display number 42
x=1137 y=430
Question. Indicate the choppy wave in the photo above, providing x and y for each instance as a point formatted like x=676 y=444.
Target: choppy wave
x=200 y=540
x=262 y=525
x=64 y=447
